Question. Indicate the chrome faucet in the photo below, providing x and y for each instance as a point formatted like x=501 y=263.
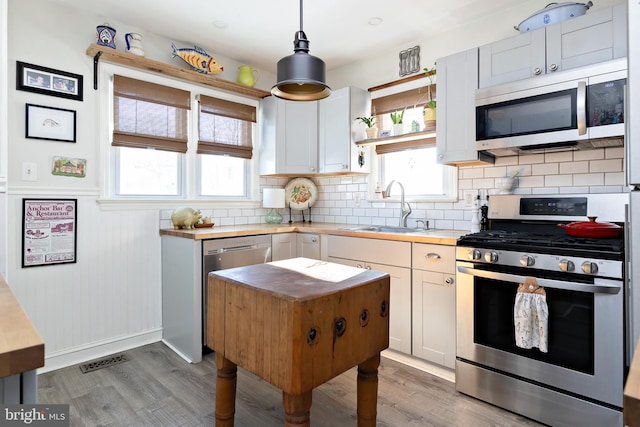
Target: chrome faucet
x=404 y=213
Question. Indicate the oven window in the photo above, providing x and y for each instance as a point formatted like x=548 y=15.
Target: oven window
x=571 y=327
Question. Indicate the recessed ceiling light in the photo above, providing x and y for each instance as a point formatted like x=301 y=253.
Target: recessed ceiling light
x=375 y=21
x=220 y=24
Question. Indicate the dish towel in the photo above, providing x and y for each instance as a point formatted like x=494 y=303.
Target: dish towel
x=531 y=315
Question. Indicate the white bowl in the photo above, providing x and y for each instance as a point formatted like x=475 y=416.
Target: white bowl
x=507 y=185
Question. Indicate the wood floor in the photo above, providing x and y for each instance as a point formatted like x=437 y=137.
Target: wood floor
x=157 y=388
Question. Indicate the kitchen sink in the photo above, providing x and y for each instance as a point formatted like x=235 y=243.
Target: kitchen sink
x=386 y=229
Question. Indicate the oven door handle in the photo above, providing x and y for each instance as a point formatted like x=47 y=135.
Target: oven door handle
x=547 y=283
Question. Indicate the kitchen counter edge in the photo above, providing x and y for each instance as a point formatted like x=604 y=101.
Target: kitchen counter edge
x=440 y=237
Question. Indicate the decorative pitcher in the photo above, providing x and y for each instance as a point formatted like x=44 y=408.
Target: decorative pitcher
x=106 y=36
x=134 y=43
x=246 y=75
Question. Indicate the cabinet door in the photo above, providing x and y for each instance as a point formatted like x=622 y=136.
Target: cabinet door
x=399 y=306
x=283 y=246
x=336 y=131
x=297 y=137
x=434 y=317
x=455 y=127
x=597 y=36
x=308 y=245
x=515 y=58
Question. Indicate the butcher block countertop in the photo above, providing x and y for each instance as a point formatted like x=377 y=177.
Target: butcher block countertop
x=439 y=237
x=21 y=348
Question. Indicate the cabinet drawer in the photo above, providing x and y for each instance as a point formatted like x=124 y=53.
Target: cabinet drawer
x=387 y=252
x=439 y=258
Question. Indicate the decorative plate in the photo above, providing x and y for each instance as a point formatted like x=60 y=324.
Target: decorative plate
x=300 y=193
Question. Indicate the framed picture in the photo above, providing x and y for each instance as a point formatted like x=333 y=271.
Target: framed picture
x=49 y=231
x=47 y=81
x=54 y=124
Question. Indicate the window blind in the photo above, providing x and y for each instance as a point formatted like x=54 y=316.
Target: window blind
x=225 y=127
x=149 y=115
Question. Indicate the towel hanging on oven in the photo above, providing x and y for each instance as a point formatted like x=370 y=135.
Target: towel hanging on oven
x=531 y=315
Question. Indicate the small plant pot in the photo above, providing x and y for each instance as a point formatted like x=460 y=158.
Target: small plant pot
x=398 y=129
x=372 y=133
x=429 y=117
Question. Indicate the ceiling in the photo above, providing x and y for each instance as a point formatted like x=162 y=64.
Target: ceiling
x=260 y=32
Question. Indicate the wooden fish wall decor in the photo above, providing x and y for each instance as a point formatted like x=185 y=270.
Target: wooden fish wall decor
x=198 y=59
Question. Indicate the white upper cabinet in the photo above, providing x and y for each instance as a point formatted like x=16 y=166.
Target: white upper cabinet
x=312 y=137
x=597 y=36
x=455 y=127
x=338 y=131
x=288 y=136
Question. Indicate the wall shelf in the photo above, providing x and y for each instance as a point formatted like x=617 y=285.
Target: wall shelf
x=407 y=137
x=128 y=59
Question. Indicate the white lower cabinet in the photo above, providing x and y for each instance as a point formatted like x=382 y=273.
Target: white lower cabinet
x=433 y=299
x=283 y=246
x=308 y=245
x=390 y=257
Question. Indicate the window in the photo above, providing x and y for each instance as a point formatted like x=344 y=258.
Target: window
x=161 y=147
x=413 y=163
x=150 y=133
x=225 y=135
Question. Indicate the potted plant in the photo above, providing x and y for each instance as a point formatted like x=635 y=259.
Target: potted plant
x=370 y=122
x=398 y=126
x=429 y=114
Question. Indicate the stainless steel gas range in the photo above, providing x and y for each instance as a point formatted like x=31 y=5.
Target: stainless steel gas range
x=577 y=379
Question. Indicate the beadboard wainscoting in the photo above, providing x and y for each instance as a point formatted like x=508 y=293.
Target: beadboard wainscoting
x=109 y=300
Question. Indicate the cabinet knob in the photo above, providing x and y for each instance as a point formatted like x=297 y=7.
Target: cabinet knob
x=449 y=280
x=314 y=239
x=312 y=169
x=368 y=267
x=553 y=67
x=537 y=71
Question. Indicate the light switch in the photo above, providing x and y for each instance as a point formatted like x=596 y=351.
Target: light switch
x=29 y=171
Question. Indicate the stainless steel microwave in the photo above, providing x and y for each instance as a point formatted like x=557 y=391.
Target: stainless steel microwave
x=571 y=110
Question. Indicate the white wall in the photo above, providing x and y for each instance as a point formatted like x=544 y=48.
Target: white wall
x=110 y=298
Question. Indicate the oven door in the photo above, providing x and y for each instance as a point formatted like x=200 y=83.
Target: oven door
x=585 y=332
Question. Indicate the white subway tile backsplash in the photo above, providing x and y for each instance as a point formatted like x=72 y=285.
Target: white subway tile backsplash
x=588 y=179
x=530 y=159
x=605 y=165
x=564 y=156
x=574 y=167
x=558 y=180
x=589 y=154
x=545 y=169
x=346 y=199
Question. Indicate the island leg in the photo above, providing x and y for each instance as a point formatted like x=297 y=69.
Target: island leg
x=226 y=380
x=368 y=391
x=297 y=408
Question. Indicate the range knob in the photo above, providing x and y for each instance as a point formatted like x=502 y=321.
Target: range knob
x=589 y=267
x=566 y=265
x=527 y=260
x=474 y=254
x=491 y=256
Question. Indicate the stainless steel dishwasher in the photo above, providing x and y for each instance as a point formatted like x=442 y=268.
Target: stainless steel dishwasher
x=220 y=254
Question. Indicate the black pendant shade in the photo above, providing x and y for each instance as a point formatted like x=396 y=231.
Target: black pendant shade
x=301 y=77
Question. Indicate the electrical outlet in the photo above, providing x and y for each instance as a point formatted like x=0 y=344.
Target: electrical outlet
x=469 y=196
x=29 y=171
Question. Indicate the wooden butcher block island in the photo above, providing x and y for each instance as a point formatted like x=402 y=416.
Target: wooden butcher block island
x=297 y=323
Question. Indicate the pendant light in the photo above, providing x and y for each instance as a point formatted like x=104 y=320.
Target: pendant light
x=301 y=77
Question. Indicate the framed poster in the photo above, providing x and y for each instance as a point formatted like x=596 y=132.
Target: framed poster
x=49 y=231
x=54 y=124
x=47 y=81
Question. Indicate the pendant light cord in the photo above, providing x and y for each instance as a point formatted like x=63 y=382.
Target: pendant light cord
x=301 y=15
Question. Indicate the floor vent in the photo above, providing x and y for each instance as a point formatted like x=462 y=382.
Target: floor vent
x=104 y=363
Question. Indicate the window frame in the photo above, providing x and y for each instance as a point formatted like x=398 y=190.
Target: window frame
x=377 y=161
x=189 y=164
